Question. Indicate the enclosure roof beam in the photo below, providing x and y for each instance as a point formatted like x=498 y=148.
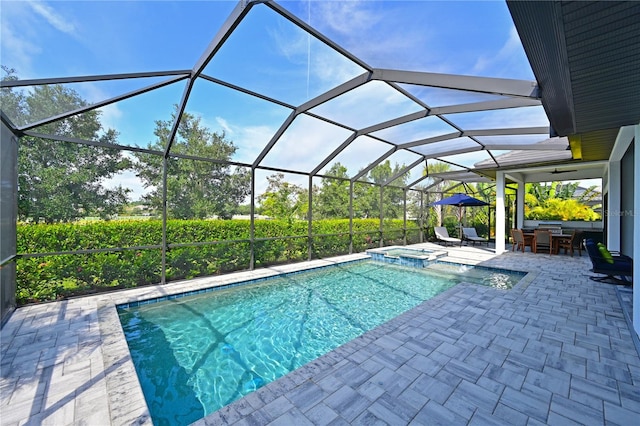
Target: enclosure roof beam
x=541 y=130
x=176 y=121
x=373 y=164
x=89 y=78
x=437 y=181
x=336 y=91
x=60 y=138
x=403 y=171
x=454 y=152
x=335 y=153
x=233 y=20
x=486 y=106
x=102 y=103
x=246 y=91
x=454 y=186
x=528 y=147
x=283 y=127
x=494 y=86
x=417 y=181
x=394 y=122
x=430 y=140
x=315 y=33
x=7 y=121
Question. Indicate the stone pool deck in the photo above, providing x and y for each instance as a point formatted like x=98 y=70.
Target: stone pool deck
x=557 y=349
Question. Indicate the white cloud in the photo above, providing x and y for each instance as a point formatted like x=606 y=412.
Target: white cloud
x=251 y=140
x=22 y=30
x=54 y=19
x=17 y=45
x=348 y=17
x=505 y=58
x=377 y=34
x=111 y=116
x=305 y=144
x=225 y=125
x=128 y=180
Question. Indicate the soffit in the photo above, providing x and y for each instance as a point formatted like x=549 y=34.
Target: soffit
x=586 y=57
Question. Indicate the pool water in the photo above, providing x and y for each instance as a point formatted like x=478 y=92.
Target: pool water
x=497 y=278
x=196 y=354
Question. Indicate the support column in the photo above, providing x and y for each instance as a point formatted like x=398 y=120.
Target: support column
x=520 y=205
x=252 y=221
x=310 y=221
x=519 y=179
x=614 y=206
x=500 y=212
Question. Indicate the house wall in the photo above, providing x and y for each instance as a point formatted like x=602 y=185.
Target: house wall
x=8 y=210
x=636 y=224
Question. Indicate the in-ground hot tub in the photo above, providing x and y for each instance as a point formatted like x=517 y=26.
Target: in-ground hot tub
x=406 y=256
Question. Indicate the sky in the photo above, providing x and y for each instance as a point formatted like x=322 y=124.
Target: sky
x=267 y=54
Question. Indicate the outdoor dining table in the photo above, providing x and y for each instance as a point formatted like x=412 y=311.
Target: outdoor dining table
x=555 y=240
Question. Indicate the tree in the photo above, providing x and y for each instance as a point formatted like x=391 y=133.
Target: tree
x=283 y=200
x=195 y=188
x=62 y=181
x=555 y=201
x=437 y=187
x=559 y=209
x=367 y=197
x=332 y=199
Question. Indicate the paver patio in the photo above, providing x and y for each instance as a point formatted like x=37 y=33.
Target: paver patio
x=557 y=349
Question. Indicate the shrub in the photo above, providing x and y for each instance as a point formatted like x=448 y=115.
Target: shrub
x=225 y=248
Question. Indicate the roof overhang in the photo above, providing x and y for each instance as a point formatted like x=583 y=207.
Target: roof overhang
x=585 y=57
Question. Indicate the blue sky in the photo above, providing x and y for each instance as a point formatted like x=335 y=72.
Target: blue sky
x=269 y=55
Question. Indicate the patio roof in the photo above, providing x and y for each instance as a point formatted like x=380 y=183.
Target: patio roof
x=585 y=57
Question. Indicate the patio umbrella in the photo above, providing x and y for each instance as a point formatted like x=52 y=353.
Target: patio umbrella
x=460 y=200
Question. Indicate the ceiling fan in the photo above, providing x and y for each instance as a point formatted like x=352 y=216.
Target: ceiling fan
x=557 y=172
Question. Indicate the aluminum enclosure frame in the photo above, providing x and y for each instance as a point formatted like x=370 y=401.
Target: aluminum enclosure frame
x=516 y=93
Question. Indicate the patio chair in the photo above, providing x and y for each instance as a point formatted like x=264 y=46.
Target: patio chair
x=577 y=242
x=519 y=240
x=568 y=244
x=542 y=241
x=611 y=265
x=443 y=235
x=470 y=234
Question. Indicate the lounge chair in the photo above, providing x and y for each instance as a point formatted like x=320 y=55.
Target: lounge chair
x=470 y=234
x=618 y=265
x=443 y=235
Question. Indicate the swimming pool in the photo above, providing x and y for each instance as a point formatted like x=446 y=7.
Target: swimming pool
x=196 y=354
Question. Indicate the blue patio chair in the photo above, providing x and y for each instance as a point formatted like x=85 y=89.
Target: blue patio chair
x=612 y=267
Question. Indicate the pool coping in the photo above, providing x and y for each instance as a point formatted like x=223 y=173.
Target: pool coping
x=125 y=396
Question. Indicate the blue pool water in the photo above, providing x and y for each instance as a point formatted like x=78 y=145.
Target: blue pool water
x=196 y=354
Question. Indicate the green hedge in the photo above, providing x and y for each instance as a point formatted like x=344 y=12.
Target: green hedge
x=46 y=278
